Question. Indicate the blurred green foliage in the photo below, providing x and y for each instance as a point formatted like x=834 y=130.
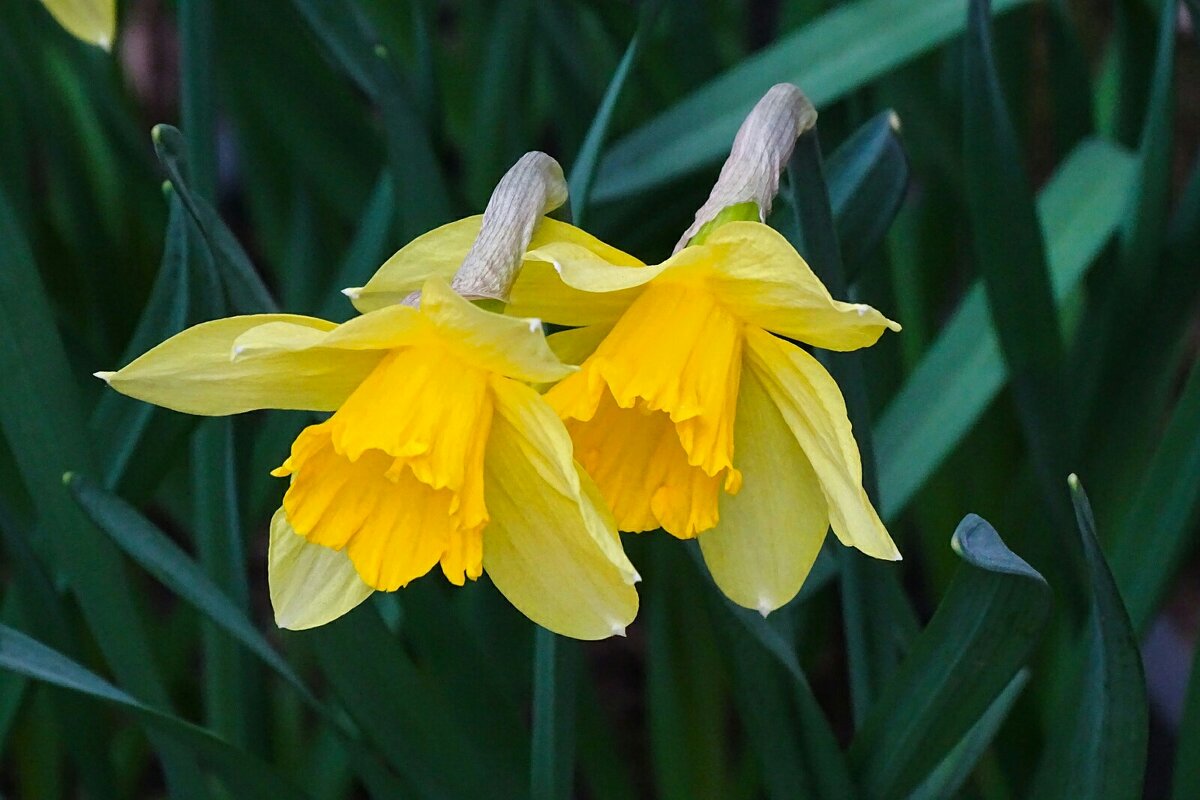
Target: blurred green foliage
x=1019 y=186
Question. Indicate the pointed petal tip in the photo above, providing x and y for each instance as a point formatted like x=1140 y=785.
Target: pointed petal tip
x=894 y=121
x=637 y=578
x=765 y=607
x=104 y=43
x=534 y=324
x=104 y=376
x=618 y=629
x=353 y=292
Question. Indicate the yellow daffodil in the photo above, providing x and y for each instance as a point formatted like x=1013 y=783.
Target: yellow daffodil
x=692 y=410
x=689 y=412
x=93 y=21
x=437 y=452
x=694 y=413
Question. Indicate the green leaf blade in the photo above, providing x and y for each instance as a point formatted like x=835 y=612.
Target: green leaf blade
x=842 y=50
x=981 y=636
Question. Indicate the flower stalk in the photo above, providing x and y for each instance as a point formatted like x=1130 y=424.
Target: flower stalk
x=532 y=188
x=760 y=151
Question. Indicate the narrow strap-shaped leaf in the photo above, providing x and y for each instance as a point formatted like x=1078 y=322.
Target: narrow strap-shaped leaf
x=246 y=775
x=247 y=292
x=499 y=108
x=1159 y=525
x=1106 y=349
x=1096 y=748
x=120 y=423
x=876 y=626
x=198 y=94
x=686 y=681
x=228 y=697
x=42 y=420
x=948 y=777
x=583 y=172
x=370 y=247
x=41 y=604
x=418 y=178
x=404 y=712
x=845 y=48
x=963 y=370
x=163 y=559
x=1011 y=260
x=1070 y=82
x=867 y=177
x=151 y=548
x=798 y=750
x=556 y=665
x=982 y=634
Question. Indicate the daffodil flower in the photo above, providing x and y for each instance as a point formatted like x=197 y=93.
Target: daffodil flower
x=437 y=451
x=93 y=21
x=692 y=411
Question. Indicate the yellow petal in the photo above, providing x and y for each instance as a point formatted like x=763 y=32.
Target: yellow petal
x=196 y=371
x=550 y=548
x=511 y=346
x=770 y=532
x=578 y=283
x=393 y=527
x=763 y=280
x=379 y=330
x=440 y=253
x=396 y=475
x=93 y=21
x=310 y=584
x=812 y=405
x=575 y=345
x=652 y=409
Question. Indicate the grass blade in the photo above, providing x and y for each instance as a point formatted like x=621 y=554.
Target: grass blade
x=1106 y=351
x=247 y=776
x=1011 y=260
x=163 y=559
x=555 y=669
x=1097 y=744
x=1160 y=524
x=46 y=432
x=948 y=777
x=867 y=178
x=121 y=423
x=405 y=713
x=830 y=57
x=371 y=246
x=981 y=636
x=797 y=749
x=964 y=370
x=418 y=178
x=246 y=291
x=583 y=172
x=876 y=625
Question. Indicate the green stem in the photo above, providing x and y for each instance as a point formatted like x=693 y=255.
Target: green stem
x=197 y=94
x=555 y=672
x=877 y=620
